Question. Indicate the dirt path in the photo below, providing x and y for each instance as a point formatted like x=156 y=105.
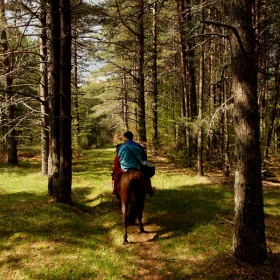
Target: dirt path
x=153 y=263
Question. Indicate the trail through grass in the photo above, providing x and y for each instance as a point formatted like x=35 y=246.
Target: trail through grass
x=189 y=224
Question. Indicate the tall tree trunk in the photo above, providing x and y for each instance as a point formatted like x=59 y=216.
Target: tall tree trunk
x=249 y=243
x=183 y=59
x=54 y=96
x=75 y=82
x=226 y=168
x=273 y=112
x=261 y=56
x=155 y=79
x=44 y=89
x=141 y=77
x=277 y=133
x=124 y=96
x=200 y=106
x=62 y=191
x=190 y=62
x=10 y=109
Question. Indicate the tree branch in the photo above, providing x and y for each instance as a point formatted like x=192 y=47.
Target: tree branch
x=233 y=29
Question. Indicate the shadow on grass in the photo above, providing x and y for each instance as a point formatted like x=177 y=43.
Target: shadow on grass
x=21 y=168
x=28 y=220
x=179 y=211
x=176 y=212
x=94 y=222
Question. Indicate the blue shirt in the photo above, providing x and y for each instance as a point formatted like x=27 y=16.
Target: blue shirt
x=127 y=160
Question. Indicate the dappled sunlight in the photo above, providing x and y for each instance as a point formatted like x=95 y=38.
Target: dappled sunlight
x=189 y=224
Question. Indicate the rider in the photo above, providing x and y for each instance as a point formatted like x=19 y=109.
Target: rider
x=124 y=160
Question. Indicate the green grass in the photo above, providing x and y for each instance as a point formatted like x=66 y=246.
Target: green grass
x=189 y=224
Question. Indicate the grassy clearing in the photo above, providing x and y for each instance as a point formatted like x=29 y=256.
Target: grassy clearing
x=188 y=222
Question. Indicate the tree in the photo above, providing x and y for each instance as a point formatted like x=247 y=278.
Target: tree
x=155 y=76
x=43 y=90
x=200 y=106
x=63 y=191
x=249 y=243
x=54 y=90
x=60 y=176
x=10 y=108
x=185 y=112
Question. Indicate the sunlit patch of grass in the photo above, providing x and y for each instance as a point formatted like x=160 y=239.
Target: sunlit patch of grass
x=189 y=219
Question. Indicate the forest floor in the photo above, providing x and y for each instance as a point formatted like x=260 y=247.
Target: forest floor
x=227 y=266
x=189 y=224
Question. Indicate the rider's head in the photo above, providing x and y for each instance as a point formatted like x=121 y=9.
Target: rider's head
x=128 y=135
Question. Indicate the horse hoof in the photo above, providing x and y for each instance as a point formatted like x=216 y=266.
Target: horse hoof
x=125 y=242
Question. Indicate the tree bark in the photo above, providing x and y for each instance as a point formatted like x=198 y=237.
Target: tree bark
x=249 y=243
x=75 y=82
x=124 y=96
x=190 y=63
x=60 y=178
x=200 y=106
x=155 y=79
x=10 y=109
x=140 y=76
x=272 y=114
x=44 y=89
x=54 y=92
x=184 y=96
x=62 y=192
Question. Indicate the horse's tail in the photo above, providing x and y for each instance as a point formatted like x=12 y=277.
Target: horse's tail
x=136 y=196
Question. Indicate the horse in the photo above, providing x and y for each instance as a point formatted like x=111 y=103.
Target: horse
x=132 y=193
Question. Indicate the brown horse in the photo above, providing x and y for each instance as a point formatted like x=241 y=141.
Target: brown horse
x=132 y=191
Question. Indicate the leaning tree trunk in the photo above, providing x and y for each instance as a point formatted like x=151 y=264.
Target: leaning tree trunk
x=249 y=243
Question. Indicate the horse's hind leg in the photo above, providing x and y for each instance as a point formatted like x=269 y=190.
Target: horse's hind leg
x=125 y=241
x=140 y=216
x=125 y=222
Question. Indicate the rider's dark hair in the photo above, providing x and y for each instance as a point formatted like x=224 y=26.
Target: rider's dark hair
x=128 y=135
